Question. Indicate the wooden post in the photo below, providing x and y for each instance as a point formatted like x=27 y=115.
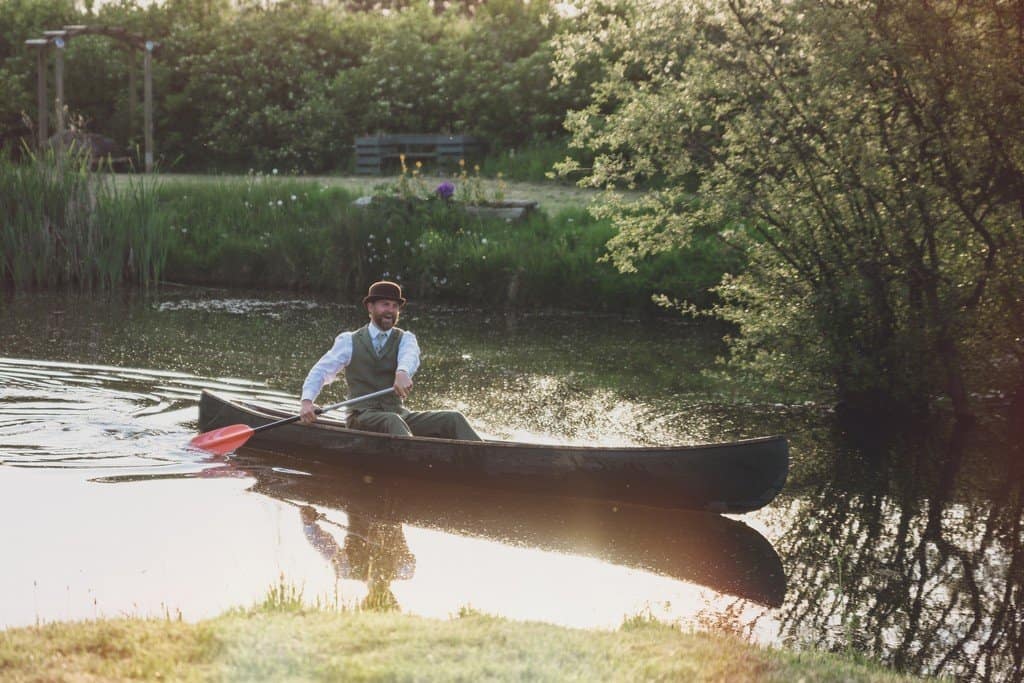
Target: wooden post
x=132 y=95
x=42 y=111
x=148 y=94
x=59 y=86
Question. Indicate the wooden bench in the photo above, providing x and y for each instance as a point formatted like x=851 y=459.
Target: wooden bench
x=373 y=152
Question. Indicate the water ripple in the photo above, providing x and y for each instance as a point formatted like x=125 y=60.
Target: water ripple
x=65 y=415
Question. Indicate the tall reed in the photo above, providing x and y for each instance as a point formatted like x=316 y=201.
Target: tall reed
x=66 y=225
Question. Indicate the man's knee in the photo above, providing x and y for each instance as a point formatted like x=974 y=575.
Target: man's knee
x=458 y=426
x=393 y=424
x=386 y=423
x=456 y=418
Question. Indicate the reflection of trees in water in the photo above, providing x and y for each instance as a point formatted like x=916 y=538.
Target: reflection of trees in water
x=906 y=562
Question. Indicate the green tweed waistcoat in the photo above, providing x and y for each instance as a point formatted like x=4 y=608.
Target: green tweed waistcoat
x=366 y=373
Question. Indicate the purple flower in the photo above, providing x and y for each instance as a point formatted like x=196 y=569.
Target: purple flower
x=445 y=190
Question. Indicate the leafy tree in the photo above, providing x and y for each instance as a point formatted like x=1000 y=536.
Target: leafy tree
x=866 y=155
x=290 y=84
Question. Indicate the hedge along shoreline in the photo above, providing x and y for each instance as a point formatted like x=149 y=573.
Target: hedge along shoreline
x=273 y=232
x=292 y=84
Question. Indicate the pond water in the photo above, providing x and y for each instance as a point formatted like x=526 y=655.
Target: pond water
x=908 y=548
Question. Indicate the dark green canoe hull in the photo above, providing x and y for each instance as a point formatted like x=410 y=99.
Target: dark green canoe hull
x=729 y=477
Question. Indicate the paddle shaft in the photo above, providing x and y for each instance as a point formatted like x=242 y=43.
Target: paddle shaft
x=321 y=411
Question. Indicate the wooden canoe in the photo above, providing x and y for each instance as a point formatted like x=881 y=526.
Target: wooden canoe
x=728 y=477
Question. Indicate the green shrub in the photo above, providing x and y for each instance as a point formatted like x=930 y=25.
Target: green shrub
x=290 y=85
x=532 y=162
x=271 y=232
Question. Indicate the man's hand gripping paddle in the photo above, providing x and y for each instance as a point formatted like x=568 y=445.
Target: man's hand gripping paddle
x=226 y=439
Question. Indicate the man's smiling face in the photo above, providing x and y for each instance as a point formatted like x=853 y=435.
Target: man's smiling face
x=384 y=313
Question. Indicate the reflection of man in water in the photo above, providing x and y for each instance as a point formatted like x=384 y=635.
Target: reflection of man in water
x=375 y=552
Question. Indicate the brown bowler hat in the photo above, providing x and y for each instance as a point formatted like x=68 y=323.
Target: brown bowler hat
x=384 y=290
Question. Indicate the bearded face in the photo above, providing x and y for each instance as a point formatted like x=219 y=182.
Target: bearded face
x=384 y=313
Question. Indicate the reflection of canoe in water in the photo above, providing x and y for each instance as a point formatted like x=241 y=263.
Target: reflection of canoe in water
x=699 y=547
x=729 y=477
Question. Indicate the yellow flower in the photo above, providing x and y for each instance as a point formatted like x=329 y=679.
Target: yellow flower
x=462 y=163
x=419 y=164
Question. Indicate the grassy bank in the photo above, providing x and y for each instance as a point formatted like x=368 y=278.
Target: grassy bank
x=320 y=645
x=292 y=233
x=553 y=196
x=70 y=227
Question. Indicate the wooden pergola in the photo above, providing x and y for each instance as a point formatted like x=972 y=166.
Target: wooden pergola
x=58 y=40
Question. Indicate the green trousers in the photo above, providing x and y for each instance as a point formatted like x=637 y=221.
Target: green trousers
x=445 y=424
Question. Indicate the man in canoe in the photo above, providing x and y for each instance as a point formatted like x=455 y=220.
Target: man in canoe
x=373 y=357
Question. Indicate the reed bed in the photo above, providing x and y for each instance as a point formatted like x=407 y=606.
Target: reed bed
x=66 y=225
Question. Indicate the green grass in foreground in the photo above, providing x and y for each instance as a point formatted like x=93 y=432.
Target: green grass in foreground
x=324 y=645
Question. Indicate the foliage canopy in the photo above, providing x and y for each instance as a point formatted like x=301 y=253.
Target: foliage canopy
x=289 y=85
x=866 y=155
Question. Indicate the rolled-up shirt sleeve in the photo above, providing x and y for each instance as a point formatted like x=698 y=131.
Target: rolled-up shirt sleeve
x=330 y=364
x=408 y=353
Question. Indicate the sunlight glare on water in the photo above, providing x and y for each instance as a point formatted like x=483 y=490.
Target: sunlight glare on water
x=137 y=523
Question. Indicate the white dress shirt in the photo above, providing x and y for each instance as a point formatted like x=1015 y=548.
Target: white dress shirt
x=337 y=359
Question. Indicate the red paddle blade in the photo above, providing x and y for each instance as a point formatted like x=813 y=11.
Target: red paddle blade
x=224 y=440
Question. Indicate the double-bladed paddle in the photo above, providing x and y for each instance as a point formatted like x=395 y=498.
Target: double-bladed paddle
x=226 y=439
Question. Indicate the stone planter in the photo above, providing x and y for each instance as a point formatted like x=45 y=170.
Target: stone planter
x=510 y=210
